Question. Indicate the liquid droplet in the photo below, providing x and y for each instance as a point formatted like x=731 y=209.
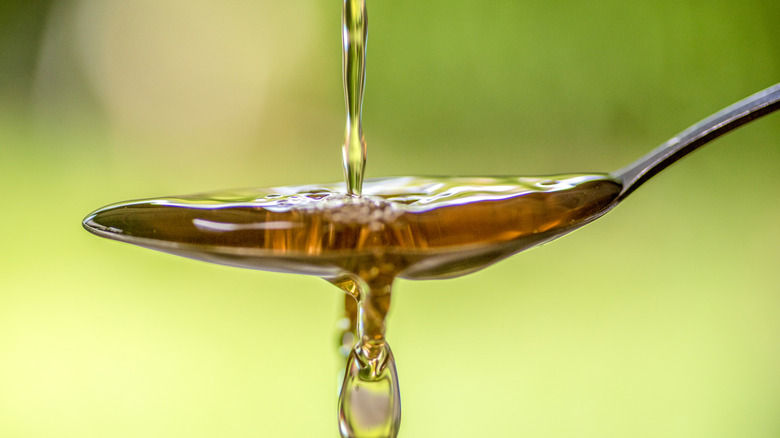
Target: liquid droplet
x=370 y=401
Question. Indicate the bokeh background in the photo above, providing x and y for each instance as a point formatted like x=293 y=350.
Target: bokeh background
x=660 y=319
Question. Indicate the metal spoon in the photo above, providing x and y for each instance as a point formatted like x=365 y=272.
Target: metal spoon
x=427 y=228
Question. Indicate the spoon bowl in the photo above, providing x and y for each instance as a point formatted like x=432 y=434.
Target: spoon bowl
x=420 y=228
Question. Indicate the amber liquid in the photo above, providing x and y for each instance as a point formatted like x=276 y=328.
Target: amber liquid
x=410 y=227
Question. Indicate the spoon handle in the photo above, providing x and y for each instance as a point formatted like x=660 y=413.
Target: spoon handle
x=734 y=116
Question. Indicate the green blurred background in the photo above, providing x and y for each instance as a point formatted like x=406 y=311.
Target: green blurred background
x=659 y=320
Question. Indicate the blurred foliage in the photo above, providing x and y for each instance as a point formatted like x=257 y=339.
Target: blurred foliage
x=657 y=320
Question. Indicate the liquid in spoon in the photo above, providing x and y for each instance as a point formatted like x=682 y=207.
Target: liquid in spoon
x=409 y=227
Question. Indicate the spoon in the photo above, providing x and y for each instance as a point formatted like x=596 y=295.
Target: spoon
x=410 y=227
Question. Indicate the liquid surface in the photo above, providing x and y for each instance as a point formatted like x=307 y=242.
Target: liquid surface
x=417 y=228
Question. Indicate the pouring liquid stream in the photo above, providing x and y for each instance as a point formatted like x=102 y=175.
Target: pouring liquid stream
x=354 y=36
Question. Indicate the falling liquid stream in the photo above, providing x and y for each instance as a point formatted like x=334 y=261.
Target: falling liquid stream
x=354 y=25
